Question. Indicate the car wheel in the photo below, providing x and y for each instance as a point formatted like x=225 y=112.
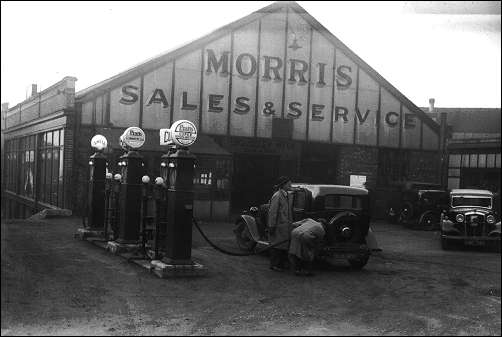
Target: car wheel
x=406 y=213
x=243 y=237
x=359 y=263
x=429 y=221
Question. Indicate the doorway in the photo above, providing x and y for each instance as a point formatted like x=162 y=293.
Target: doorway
x=253 y=180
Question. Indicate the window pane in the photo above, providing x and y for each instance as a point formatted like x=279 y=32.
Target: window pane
x=55 y=176
x=490 y=160
x=465 y=160
x=455 y=160
x=55 y=141
x=497 y=164
x=482 y=160
x=49 y=138
x=473 y=160
x=61 y=137
x=453 y=183
x=454 y=172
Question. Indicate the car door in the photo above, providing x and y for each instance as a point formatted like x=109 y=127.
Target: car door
x=299 y=204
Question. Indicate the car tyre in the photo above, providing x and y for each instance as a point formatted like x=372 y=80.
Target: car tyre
x=243 y=237
x=406 y=213
x=429 y=221
x=358 y=263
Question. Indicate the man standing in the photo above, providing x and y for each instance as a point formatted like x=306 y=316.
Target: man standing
x=280 y=217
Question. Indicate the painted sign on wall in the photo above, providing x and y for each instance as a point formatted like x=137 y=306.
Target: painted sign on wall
x=277 y=66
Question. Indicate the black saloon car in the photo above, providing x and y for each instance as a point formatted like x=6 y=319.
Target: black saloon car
x=470 y=219
x=346 y=208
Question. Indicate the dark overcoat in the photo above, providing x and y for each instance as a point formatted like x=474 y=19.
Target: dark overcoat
x=280 y=217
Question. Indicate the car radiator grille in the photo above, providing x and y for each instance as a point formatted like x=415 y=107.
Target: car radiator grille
x=474 y=225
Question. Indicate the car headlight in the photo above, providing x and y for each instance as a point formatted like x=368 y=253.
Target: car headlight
x=459 y=218
x=490 y=219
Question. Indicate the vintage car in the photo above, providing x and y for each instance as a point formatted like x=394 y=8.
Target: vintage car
x=419 y=205
x=345 y=208
x=470 y=219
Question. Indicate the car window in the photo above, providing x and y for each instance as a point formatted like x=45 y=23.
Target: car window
x=334 y=201
x=300 y=200
x=457 y=201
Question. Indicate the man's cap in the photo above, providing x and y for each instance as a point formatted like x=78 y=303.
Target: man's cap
x=282 y=180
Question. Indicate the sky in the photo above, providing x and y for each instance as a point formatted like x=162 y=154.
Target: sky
x=447 y=50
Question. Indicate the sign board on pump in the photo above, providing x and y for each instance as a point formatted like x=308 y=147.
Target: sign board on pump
x=133 y=137
x=181 y=133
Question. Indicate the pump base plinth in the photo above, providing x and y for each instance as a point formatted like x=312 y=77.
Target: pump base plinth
x=84 y=233
x=166 y=270
x=118 y=248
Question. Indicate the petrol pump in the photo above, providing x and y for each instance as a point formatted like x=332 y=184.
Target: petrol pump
x=177 y=171
x=130 y=198
x=96 y=193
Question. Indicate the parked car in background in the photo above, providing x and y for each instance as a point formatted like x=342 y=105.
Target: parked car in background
x=418 y=205
x=348 y=233
x=470 y=219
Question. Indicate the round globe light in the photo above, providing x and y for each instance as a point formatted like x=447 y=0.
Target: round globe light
x=145 y=179
x=159 y=181
x=99 y=142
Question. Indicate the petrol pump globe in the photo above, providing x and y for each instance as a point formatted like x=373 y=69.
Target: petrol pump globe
x=159 y=181
x=145 y=179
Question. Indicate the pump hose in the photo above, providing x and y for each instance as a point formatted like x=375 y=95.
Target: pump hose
x=221 y=250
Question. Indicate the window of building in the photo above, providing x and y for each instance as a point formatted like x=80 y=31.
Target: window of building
x=51 y=187
x=27 y=167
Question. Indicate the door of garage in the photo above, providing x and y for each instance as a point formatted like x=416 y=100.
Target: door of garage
x=253 y=180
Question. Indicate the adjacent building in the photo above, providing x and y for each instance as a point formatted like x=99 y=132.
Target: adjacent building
x=473 y=146
x=274 y=93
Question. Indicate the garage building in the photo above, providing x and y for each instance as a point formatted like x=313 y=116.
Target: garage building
x=274 y=93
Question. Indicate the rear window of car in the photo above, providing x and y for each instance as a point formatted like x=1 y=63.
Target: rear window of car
x=342 y=201
x=457 y=201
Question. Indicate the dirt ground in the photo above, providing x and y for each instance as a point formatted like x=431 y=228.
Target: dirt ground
x=55 y=284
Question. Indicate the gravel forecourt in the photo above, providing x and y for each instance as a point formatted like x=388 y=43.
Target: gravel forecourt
x=52 y=284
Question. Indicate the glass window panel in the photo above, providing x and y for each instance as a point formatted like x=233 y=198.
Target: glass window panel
x=48 y=172
x=61 y=137
x=473 y=160
x=55 y=176
x=454 y=172
x=497 y=161
x=490 y=160
x=455 y=160
x=453 y=183
x=482 y=160
x=44 y=140
x=465 y=160
x=49 y=138
x=55 y=140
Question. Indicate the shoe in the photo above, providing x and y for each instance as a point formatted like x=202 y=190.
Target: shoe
x=275 y=268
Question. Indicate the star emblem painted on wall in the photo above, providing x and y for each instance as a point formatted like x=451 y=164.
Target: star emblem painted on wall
x=294 y=45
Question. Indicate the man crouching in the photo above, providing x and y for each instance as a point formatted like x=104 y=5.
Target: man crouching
x=306 y=240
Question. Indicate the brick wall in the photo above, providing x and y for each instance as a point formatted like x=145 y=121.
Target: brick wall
x=424 y=166
x=356 y=160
